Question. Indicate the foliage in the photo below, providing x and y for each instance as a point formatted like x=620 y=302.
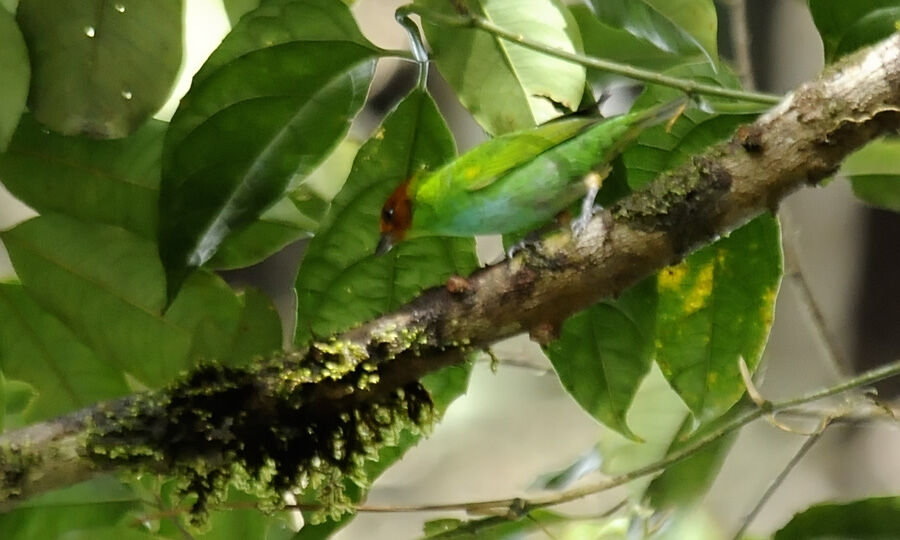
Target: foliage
x=115 y=289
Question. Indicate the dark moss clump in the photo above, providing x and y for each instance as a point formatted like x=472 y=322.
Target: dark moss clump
x=264 y=427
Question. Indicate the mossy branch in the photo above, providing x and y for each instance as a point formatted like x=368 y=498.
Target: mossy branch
x=310 y=418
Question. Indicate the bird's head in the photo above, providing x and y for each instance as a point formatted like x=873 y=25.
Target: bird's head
x=396 y=219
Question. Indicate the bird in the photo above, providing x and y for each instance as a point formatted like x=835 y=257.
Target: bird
x=517 y=181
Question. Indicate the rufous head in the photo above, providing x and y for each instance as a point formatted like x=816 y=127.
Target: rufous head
x=396 y=218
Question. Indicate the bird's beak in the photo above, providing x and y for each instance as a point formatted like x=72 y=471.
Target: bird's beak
x=385 y=244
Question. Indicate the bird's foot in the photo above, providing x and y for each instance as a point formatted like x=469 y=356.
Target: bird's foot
x=579 y=224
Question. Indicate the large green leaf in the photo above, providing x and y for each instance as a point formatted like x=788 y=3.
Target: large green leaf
x=682 y=27
x=341 y=282
x=274 y=22
x=683 y=483
x=37 y=348
x=605 y=351
x=98 y=503
x=614 y=43
x=107 y=285
x=16 y=73
x=2 y=396
x=117 y=183
x=258 y=329
x=100 y=68
x=18 y=396
x=867 y=519
x=244 y=129
x=235 y=9
x=656 y=415
x=874 y=172
x=277 y=227
x=505 y=86
x=717 y=305
x=846 y=26
x=108 y=182
x=715 y=308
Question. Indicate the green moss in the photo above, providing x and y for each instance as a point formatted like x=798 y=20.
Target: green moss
x=264 y=427
x=674 y=201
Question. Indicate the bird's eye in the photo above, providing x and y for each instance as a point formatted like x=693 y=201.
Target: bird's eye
x=387 y=214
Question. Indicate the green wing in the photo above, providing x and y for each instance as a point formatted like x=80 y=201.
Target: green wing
x=483 y=165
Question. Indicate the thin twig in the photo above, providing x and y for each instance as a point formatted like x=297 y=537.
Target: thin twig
x=776 y=483
x=471 y=20
x=740 y=39
x=823 y=334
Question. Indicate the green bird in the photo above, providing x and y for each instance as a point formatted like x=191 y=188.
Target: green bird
x=515 y=182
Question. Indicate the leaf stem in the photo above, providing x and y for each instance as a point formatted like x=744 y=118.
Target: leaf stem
x=419 y=52
x=471 y=20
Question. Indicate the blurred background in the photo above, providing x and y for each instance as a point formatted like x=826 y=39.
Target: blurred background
x=517 y=425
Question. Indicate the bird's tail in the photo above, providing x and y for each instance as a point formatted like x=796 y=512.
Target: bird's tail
x=638 y=121
x=668 y=112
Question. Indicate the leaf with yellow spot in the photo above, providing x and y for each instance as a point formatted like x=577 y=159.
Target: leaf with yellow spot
x=714 y=308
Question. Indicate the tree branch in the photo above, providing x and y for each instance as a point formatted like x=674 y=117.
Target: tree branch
x=285 y=412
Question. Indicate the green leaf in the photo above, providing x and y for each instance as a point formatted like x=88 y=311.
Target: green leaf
x=235 y=9
x=117 y=183
x=714 y=308
x=341 y=282
x=37 y=348
x=846 y=26
x=89 y=505
x=3 y=406
x=717 y=305
x=878 y=190
x=682 y=27
x=505 y=86
x=107 y=285
x=656 y=416
x=277 y=227
x=108 y=182
x=238 y=523
x=100 y=68
x=605 y=351
x=258 y=330
x=614 y=43
x=275 y=22
x=683 y=483
x=874 y=173
x=867 y=519
x=19 y=396
x=494 y=527
x=121 y=532
x=16 y=73
x=243 y=130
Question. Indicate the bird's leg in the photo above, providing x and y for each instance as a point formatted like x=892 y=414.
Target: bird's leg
x=592 y=182
x=532 y=238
